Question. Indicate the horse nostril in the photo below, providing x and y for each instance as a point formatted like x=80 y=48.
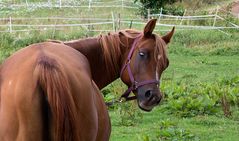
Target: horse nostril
x=158 y=101
x=148 y=94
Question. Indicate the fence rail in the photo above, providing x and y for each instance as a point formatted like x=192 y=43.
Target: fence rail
x=10 y=26
x=214 y=18
x=112 y=20
x=72 y=4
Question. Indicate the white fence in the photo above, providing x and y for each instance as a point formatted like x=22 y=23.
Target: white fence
x=11 y=24
x=179 y=21
x=72 y=4
x=213 y=17
x=112 y=22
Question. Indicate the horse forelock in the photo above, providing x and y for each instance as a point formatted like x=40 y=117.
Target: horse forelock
x=160 y=50
x=160 y=45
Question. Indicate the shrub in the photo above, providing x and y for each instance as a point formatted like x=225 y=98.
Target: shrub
x=188 y=100
x=168 y=131
x=155 y=5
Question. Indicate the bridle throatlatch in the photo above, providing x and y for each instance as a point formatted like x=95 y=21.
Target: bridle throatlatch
x=134 y=84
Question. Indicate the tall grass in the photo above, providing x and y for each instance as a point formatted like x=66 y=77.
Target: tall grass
x=210 y=42
x=11 y=43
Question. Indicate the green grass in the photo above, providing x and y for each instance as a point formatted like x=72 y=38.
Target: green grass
x=189 y=69
x=195 y=57
x=206 y=128
x=188 y=63
x=201 y=68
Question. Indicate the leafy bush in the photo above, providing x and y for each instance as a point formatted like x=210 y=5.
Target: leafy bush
x=188 y=100
x=129 y=114
x=173 y=10
x=7 y=46
x=155 y=5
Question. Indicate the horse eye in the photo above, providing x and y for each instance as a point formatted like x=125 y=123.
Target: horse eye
x=141 y=53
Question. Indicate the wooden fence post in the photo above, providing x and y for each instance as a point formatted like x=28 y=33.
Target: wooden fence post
x=54 y=30
x=89 y=7
x=148 y=14
x=215 y=17
x=184 y=13
x=119 y=21
x=10 y=24
x=131 y=24
x=60 y=3
x=161 y=12
x=49 y=3
x=26 y=3
x=113 y=21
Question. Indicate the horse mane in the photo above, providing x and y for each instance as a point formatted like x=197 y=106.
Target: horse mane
x=0 y=83
x=111 y=43
x=160 y=51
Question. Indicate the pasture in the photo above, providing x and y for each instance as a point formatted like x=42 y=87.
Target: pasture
x=193 y=85
x=200 y=86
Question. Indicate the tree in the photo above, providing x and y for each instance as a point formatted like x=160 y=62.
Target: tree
x=154 y=5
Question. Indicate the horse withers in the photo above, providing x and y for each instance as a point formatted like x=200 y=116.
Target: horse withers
x=50 y=91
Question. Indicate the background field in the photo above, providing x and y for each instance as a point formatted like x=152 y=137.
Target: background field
x=201 y=85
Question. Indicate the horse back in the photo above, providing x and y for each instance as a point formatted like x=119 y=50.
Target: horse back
x=46 y=92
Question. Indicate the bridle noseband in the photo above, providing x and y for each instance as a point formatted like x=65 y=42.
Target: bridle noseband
x=134 y=84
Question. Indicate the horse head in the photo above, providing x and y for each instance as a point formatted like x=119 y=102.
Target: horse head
x=143 y=65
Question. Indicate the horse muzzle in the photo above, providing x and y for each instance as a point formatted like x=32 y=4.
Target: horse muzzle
x=148 y=98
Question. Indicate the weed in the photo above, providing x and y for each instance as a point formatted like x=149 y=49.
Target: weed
x=169 y=131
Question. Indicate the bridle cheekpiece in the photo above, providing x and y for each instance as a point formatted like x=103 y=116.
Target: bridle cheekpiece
x=134 y=84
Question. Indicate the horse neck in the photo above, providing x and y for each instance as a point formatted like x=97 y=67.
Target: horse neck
x=92 y=49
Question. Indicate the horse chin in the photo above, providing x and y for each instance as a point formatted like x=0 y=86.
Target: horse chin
x=144 y=107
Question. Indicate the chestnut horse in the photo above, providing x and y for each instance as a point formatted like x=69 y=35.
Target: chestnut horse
x=48 y=90
x=115 y=55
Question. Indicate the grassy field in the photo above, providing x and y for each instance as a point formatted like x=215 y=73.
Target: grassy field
x=203 y=68
x=158 y=125
x=189 y=69
x=195 y=59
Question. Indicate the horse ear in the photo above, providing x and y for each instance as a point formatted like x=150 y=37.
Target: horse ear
x=148 y=29
x=168 y=36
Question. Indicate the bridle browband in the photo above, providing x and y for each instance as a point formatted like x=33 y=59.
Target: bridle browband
x=134 y=84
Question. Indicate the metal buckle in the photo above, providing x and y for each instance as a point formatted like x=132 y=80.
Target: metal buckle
x=135 y=85
x=128 y=62
x=122 y=99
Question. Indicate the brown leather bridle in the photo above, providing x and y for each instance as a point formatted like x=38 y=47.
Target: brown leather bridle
x=134 y=84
